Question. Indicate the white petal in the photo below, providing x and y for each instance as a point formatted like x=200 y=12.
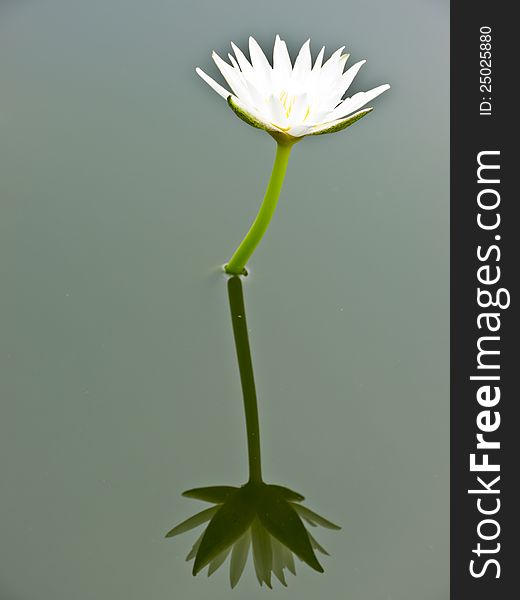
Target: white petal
x=348 y=77
x=260 y=108
x=234 y=62
x=329 y=73
x=337 y=89
x=333 y=61
x=212 y=83
x=253 y=114
x=257 y=97
x=245 y=65
x=300 y=130
x=230 y=75
x=258 y=102
x=343 y=60
x=319 y=59
x=258 y=58
x=239 y=557
x=303 y=62
x=357 y=101
x=281 y=60
x=277 y=113
x=299 y=110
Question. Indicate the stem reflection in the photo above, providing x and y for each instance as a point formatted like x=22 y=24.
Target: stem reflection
x=245 y=365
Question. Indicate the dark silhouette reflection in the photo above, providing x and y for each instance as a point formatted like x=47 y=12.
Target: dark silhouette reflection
x=269 y=518
x=245 y=366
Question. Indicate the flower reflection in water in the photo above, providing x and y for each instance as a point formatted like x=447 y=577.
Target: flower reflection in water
x=270 y=519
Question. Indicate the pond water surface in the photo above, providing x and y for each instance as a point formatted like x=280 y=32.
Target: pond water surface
x=126 y=183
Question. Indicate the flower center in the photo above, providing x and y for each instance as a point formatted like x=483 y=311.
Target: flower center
x=287 y=102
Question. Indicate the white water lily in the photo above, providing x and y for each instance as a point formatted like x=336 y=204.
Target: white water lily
x=291 y=100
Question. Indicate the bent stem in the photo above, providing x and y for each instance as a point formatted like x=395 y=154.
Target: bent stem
x=236 y=265
x=245 y=366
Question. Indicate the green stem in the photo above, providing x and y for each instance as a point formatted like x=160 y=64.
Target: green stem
x=236 y=265
x=245 y=366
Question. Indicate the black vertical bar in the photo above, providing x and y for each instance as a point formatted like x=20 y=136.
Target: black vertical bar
x=484 y=108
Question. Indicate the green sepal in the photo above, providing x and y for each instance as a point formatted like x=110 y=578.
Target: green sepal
x=218 y=494
x=287 y=493
x=229 y=523
x=283 y=523
x=343 y=124
x=218 y=561
x=247 y=117
x=193 y=521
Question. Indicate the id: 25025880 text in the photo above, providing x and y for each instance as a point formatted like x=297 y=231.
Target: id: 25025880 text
x=485 y=71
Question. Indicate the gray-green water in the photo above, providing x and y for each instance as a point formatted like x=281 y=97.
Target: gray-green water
x=125 y=182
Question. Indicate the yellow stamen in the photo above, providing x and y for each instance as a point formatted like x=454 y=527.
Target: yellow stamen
x=288 y=104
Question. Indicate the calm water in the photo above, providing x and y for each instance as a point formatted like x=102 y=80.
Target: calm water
x=125 y=183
